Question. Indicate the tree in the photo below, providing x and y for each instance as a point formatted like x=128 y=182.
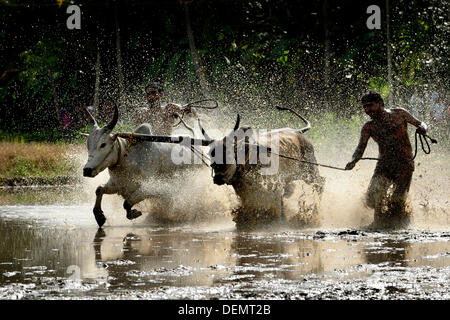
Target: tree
x=199 y=69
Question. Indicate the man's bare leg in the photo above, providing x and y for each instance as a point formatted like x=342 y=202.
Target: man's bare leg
x=398 y=210
x=374 y=197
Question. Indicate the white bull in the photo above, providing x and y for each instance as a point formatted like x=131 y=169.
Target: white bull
x=129 y=166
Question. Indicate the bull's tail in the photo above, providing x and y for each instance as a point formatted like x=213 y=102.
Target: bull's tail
x=308 y=125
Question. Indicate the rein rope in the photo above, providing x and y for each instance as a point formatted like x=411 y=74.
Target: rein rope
x=193 y=105
x=421 y=136
x=424 y=137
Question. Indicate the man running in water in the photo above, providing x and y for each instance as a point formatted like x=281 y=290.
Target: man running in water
x=388 y=127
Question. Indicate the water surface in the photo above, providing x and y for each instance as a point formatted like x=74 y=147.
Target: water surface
x=54 y=250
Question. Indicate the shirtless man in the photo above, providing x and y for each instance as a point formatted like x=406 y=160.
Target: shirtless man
x=388 y=127
x=160 y=118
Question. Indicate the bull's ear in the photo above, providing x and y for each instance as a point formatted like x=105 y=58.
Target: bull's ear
x=113 y=122
x=203 y=130
x=238 y=120
x=114 y=137
x=84 y=134
x=90 y=117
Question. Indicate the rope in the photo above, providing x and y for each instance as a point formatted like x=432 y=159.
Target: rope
x=424 y=137
x=184 y=123
x=421 y=136
x=314 y=163
x=192 y=104
x=201 y=155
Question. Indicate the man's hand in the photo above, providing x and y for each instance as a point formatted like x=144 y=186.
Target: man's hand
x=350 y=165
x=422 y=129
x=188 y=110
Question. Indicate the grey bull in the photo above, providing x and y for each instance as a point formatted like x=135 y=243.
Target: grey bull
x=130 y=166
x=261 y=194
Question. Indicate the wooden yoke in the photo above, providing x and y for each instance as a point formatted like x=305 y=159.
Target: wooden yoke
x=165 y=139
x=136 y=137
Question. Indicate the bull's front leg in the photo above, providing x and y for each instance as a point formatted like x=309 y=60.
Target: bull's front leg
x=99 y=192
x=139 y=195
x=136 y=197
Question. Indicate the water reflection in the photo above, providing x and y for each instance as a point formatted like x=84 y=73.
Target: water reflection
x=148 y=257
x=388 y=251
x=56 y=244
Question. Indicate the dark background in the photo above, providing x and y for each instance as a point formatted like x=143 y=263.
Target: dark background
x=250 y=55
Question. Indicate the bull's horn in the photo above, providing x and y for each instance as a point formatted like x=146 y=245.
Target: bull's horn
x=113 y=122
x=236 y=125
x=308 y=125
x=203 y=131
x=90 y=116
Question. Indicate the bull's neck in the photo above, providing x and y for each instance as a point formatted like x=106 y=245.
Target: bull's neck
x=156 y=105
x=120 y=149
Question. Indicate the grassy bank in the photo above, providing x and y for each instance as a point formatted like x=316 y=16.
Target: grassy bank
x=40 y=163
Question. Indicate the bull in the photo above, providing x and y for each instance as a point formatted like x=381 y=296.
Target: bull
x=130 y=166
x=261 y=194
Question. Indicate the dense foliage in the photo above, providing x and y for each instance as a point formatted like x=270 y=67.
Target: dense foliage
x=248 y=54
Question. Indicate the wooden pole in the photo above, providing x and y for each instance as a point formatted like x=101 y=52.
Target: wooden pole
x=119 y=57
x=195 y=56
x=326 y=74
x=390 y=98
x=97 y=82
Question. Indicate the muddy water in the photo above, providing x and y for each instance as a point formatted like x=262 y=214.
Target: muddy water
x=51 y=248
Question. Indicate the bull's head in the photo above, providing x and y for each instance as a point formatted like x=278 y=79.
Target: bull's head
x=223 y=155
x=100 y=144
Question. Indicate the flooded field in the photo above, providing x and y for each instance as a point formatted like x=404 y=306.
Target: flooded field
x=51 y=248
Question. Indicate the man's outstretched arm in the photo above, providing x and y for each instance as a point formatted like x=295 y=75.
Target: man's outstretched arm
x=409 y=118
x=177 y=109
x=365 y=135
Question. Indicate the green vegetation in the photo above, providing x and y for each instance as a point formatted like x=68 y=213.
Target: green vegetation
x=37 y=161
x=247 y=54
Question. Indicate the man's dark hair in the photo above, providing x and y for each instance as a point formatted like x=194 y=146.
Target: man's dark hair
x=372 y=96
x=154 y=85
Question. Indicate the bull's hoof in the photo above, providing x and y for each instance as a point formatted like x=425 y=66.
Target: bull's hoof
x=133 y=214
x=99 y=217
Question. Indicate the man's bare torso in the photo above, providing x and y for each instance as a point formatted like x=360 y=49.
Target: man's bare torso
x=391 y=135
x=161 y=118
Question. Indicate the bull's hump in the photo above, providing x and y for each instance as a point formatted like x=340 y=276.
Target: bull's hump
x=144 y=128
x=287 y=135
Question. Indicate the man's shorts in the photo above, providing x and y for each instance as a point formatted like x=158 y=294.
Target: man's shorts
x=387 y=173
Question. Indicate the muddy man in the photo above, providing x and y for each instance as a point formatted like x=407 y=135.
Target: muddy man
x=388 y=127
x=161 y=118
